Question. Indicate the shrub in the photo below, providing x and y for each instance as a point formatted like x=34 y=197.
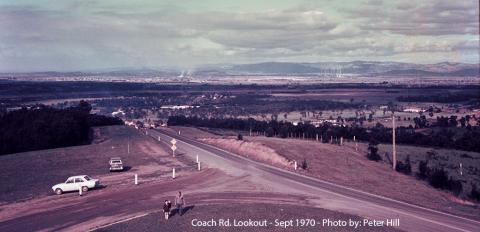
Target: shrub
x=304 y=164
x=422 y=170
x=239 y=137
x=455 y=186
x=373 y=151
x=438 y=178
x=474 y=194
x=404 y=168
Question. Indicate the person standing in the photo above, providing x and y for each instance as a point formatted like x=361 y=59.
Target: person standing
x=180 y=203
x=166 y=209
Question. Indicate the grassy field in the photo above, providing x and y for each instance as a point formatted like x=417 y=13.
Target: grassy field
x=448 y=159
x=31 y=174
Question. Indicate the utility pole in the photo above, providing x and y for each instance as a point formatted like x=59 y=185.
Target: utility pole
x=394 y=150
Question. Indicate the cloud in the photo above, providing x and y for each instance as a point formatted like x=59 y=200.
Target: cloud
x=420 y=17
x=90 y=34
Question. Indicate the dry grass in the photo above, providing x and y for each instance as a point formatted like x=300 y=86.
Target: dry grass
x=253 y=150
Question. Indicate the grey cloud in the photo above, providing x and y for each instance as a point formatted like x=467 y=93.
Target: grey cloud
x=93 y=35
x=420 y=17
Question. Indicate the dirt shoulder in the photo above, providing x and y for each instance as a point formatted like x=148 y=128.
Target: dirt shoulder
x=341 y=165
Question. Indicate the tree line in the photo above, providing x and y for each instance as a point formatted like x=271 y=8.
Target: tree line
x=469 y=140
x=43 y=127
x=441 y=98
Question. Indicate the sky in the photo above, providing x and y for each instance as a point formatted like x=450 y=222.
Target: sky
x=83 y=35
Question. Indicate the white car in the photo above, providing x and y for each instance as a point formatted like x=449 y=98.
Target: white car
x=116 y=164
x=74 y=183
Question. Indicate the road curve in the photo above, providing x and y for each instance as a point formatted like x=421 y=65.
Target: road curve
x=332 y=196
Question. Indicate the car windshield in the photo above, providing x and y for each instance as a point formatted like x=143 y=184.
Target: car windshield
x=87 y=178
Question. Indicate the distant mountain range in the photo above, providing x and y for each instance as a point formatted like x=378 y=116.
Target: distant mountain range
x=321 y=69
x=352 y=68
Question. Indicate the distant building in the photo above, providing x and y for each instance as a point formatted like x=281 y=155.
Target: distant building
x=118 y=113
x=413 y=110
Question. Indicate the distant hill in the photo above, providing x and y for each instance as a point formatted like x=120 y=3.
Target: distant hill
x=325 y=69
x=275 y=68
x=356 y=68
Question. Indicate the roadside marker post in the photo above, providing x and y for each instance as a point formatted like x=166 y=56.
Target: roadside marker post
x=317 y=137
x=295 y=165
x=158 y=138
x=173 y=173
x=341 y=141
x=197 y=159
x=461 y=169
x=173 y=147
x=136 y=179
x=198 y=166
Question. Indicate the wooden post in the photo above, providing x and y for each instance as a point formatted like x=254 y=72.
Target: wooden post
x=394 y=150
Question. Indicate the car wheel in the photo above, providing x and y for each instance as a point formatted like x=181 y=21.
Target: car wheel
x=84 y=188
x=58 y=191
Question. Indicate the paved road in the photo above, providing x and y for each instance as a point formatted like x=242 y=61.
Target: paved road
x=324 y=194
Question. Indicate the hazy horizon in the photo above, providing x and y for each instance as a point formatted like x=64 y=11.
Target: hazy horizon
x=51 y=35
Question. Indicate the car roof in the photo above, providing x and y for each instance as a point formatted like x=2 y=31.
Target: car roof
x=115 y=158
x=80 y=176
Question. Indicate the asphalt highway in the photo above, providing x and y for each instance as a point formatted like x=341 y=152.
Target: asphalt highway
x=324 y=194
